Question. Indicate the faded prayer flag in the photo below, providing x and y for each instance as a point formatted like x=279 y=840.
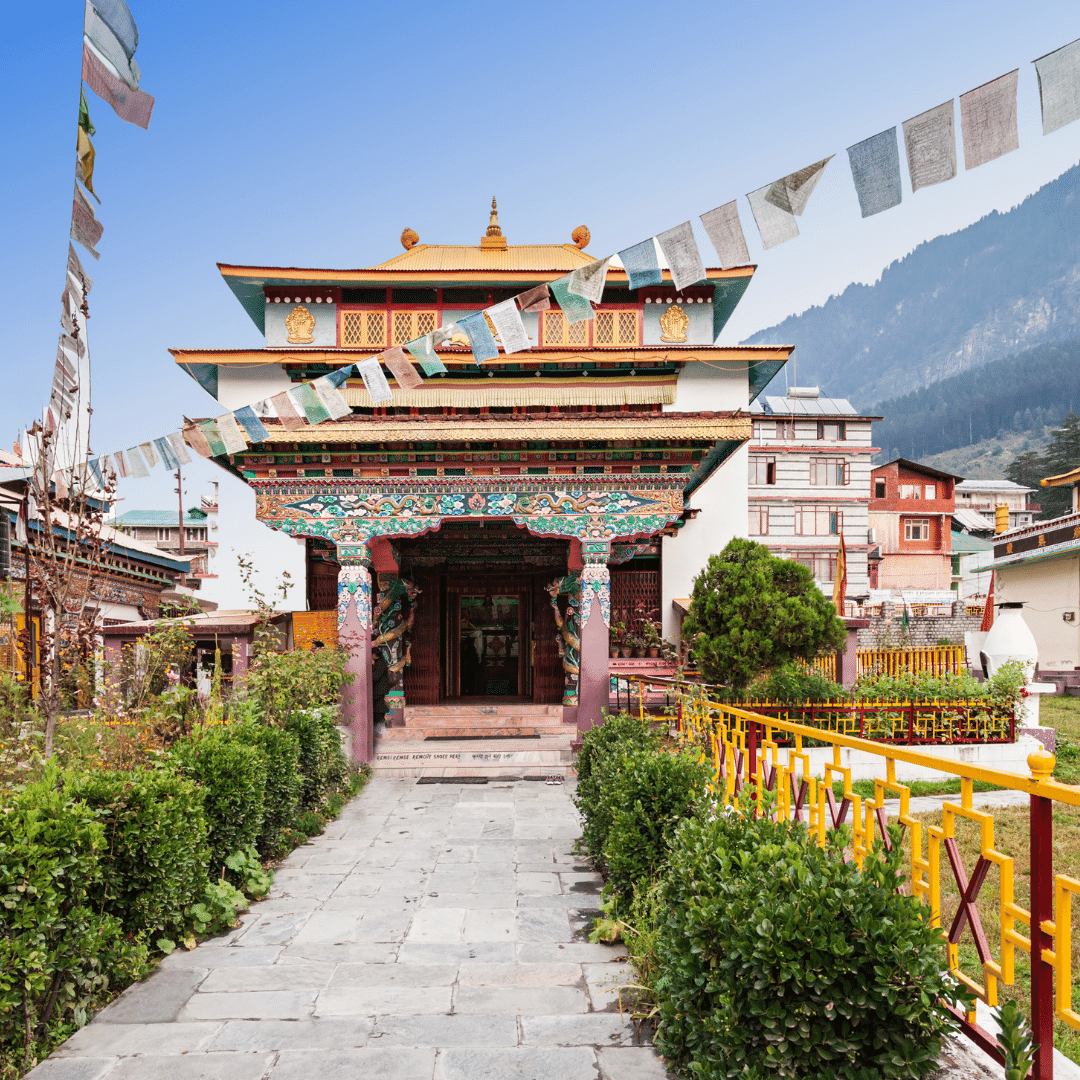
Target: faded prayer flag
x=213 y=436
x=574 y=308
x=442 y=335
x=333 y=400
x=108 y=469
x=641 y=265
x=988 y=120
x=875 y=168
x=195 y=437
x=109 y=47
x=1059 y=86
x=725 y=232
x=339 y=376
x=775 y=225
x=117 y=15
x=84 y=114
x=175 y=441
x=400 y=366
x=792 y=192
x=148 y=452
x=930 y=142
x=121 y=464
x=85 y=228
x=286 y=412
x=166 y=449
x=134 y=106
x=424 y=355
x=374 y=380
x=231 y=435
x=588 y=281
x=508 y=325
x=75 y=269
x=136 y=463
x=84 y=161
x=683 y=258
x=305 y=398
x=256 y=430
x=534 y=299
x=483 y=344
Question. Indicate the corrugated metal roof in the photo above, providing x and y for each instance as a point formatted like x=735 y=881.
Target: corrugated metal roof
x=819 y=406
x=990 y=485
x=158 y=517
x=554 y=257
x=964 y=543
x=972 y=520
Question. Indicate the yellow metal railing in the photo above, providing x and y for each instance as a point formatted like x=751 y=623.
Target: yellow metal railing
x=825 y=666
x=939 y=660
x=745 y=748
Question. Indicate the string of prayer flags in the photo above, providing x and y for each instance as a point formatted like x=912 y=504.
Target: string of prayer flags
x=875 y=168
x=85 y=228
x=792 y=192
x=574 y=308
x=506 y=319
x=231 y=435
x=400 y=366
x=1059 y=86
x=134 y=106
x=77 y=274
x=681 y=252
x=195 y=437
x=307 y=401
x=422 y=352
x=213 y=437
x=173 y=442
x=95 y=471
x=333 y=400
x=84 y=114
x=483 y=344
x=286 y=412
x=535 y=299
x=84 y=162
x=988 y=120
x=930 y=142
x=378 y=388
x=109 y=47
x=253 y=427
x=641 y=265
x=776 y=226
x=136 y=463
x=588 y=281
x=724 y=230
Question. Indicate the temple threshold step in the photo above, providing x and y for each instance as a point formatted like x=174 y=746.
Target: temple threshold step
x=473 y=731
x=487 y=735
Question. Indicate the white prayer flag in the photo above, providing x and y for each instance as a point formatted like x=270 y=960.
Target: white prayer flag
x=231 y=435
x=1059 y=86
x=792 y=192
x=988 y=120
x=136 y=462
x=588 y=281
x=725 y=232
x=372 y=373
x=333 y=400
x=930 y=141
x=121 y=464
x=176 y=441
x=775 y=225
x=148 y=452
x=682 y=255
x=508 y=325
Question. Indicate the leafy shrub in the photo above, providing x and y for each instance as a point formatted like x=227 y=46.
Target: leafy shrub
x=601 y=748
x=254 y=880
x=648 y=796
x=1002 y=690
x=58 y=958
x=216 y=911
x=155 y=843
x=780 y=959
x=284 y=783
x=233 y=776
x=281 y=684
x=791 y=684
x=322 y=763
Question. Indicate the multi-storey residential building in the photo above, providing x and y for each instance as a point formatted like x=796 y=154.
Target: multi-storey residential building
x=161 y=528
x=911 y=523
x=810 y=462
x=984 y=496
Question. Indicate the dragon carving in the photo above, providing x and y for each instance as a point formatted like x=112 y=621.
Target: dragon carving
x=394 y=615
x=569 y=640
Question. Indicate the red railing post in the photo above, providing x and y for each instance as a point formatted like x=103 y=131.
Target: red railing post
x=911 y=723
x=751 y=747
x=1042 y=909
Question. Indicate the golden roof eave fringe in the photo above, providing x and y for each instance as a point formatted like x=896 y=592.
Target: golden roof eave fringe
x=438 y=395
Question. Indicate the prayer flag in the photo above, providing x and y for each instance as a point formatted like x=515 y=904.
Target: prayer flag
x=117 y=16
x=134 y=106
x=400 y=366
x=588 y=281
x=121 y=464
x=109 y=47
x=792 y=192
x=108 y=469
x=534 y=299
x=725 y=232
x=136 y=463
x=231 y=435
x=95 y=472
x=195 y=437
x=84 y=114
x=442 y=335
x=483 y=344
x=333 y=400
x=575 y=308
x=60 y=484
x=775 y=225
x=930 y=142
x=424 y=355
x=508 y=325
x=875 y=168
x=641 y=265
x=174 y=441
x=84 y=161
x=372 y=373
x=256 y=430
x=1059 y=86
x=683 y=258
x=148 y=452
x=339 y=376
x=988 y=120
x=305 y=399
x=213 y=436
x=75 y=269
x=166 y=449
x=286 y=412
x=85 y=228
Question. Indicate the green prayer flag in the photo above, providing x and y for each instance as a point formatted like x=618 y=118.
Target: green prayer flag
x=575 y=308
x=84 y=114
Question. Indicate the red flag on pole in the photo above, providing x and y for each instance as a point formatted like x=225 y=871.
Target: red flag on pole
x=839 y=589
x=988 y=611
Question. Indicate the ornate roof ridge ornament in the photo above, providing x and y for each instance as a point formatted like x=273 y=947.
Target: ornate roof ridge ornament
x=493 y=238
x=409 y=238
x=581 y=236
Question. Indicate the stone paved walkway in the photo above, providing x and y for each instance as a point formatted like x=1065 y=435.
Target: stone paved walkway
x=433 y=931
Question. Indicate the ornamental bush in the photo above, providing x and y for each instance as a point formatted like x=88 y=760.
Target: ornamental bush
x=284 y=783
x=156 y=851
x=323 y=766
x=779 y=959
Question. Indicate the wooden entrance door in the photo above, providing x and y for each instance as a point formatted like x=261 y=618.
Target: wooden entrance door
x=486 y=648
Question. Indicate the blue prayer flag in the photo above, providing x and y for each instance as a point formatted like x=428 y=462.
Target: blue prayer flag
x=424 y=355
x=167 y=454
x=641 y=265
x=256 y=430
x=483 y=344
x=575 y=308
x=875 y=168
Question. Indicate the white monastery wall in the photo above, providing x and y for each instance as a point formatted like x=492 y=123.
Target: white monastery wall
x=239 y=386
x=1048 y=589
x=704 y=387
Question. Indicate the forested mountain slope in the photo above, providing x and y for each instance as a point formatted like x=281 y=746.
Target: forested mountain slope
x=1006 y=283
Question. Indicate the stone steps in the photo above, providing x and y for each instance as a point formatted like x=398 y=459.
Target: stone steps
x=471 y=731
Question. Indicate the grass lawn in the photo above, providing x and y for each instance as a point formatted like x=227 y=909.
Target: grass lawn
x=1063 y=714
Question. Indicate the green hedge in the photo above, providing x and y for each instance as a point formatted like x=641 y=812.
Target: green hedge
x=284 y=784
x=322 y=763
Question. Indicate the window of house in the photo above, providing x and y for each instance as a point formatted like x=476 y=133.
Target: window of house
x=818 y=521
x=820 y=564
x=408 y=325
x=557 y=331
x=930 y=491
x=785 y=429
x=763 y=429
x=616 y=328
x=363 y=328
x=879 y=489
x=164 y=534
x=762 y=470
x=759 y=521
x=831 y=430
x=828 y=472
x=910 y=491
x=916 y=529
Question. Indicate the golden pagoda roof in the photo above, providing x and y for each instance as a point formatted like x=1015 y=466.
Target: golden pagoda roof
x=553 y=258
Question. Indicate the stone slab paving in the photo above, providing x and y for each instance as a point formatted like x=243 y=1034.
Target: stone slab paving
x=432 y=931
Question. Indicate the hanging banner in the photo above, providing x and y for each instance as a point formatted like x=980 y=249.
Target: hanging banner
x=174 y=442
x=508 y=325
x=333 y=400
x=213 y=437
x=535 y=299
x=776 y=226
x=792 y=192
x=875 y=168
x=988 y=120
x=375 y=381
x=85 y=228
x=286 y=412
x=307 y=401
x=195 y=437
x=134 y=106
x=588 y=281
x=574 y=308
x=136 y=463
x=483 y=344
x=148 y=452
x=252 y=425
x=84 y=161
x=422 y=352
x=108 y=47
x=930 y=142
x=1059 y=86
x=231 y=435
x=400 y=366
x=641 y=264
x=121 y=464
x=724 y=230
x=682 y=255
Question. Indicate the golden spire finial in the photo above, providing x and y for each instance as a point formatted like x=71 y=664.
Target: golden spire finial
x=493 y=224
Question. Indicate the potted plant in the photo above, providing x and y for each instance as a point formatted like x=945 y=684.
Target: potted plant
x=618 y=633
x=651 y=637
x=636 y=643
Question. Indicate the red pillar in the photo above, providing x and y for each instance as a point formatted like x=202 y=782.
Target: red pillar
x=354 y=634
x=594 y=680
x=1042 y=909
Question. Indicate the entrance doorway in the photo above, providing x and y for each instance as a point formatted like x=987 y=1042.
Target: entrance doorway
x=487 y=638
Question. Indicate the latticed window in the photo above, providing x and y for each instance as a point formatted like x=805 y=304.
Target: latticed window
x=616 y=328
x=409 y=325
x=364 y=328
x=558 y=332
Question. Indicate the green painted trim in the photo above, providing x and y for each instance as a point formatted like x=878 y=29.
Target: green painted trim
x=759 y=373
x=206 y=375
x=711 y=462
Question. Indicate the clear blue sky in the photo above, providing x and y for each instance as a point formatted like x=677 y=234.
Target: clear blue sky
x=311 y=134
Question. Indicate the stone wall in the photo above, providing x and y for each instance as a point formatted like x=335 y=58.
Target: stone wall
x=886 y=631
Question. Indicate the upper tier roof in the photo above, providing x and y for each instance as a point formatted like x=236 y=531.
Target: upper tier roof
x=548 y=258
